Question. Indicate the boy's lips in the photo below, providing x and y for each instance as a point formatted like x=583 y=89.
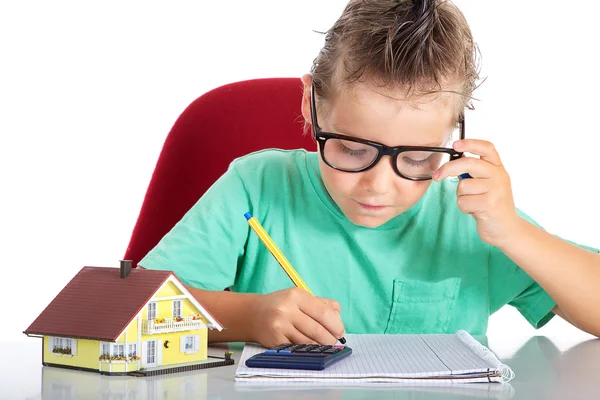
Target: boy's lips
x=370 y=206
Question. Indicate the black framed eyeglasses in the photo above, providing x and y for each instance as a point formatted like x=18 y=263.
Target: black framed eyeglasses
x=350 y=154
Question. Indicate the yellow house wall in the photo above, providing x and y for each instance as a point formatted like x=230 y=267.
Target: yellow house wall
x=168 y=290
x=86 y=357
x=130 y=335
x=173 y=355
x=165 y=307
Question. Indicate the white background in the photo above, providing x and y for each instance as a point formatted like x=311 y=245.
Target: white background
x=89 y=92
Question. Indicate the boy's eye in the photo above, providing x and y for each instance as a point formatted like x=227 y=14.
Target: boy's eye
x=352 y=148
x=416 y=161
x=421 y=163
x=348 y=155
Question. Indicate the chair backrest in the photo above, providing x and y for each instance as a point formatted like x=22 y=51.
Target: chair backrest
x=219 y=126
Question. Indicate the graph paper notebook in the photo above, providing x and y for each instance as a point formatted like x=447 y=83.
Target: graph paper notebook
x=447 y=358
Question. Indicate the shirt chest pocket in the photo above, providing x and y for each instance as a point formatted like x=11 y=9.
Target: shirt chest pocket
x=421 y=306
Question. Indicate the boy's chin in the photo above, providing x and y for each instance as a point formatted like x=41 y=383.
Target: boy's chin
x=368 y=221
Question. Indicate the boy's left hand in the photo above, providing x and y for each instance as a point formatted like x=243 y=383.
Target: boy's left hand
x=487 y=196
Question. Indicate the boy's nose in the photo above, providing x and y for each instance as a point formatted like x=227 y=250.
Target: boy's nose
x=381 y=178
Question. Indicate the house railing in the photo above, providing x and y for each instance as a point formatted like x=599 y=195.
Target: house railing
x=164 y=325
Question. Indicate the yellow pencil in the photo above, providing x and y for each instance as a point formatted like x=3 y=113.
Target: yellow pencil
x=272 y=247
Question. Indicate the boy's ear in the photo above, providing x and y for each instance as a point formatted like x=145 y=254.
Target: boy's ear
x=306 y=81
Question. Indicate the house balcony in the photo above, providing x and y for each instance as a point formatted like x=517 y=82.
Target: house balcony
x=166 y=325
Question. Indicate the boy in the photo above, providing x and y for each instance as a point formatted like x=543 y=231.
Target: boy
x=370 y=221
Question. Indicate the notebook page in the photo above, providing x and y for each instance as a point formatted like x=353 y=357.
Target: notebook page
x=386 y=358
x=456 y=355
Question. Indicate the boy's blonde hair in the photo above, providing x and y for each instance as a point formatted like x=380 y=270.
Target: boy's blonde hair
x=418 y=46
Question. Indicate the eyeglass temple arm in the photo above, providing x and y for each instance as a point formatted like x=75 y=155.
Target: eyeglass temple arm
x=462 y=136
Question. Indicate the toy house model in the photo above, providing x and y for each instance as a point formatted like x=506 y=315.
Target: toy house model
x=119 y=321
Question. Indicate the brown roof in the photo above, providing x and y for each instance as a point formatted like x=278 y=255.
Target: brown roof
x=97 y=304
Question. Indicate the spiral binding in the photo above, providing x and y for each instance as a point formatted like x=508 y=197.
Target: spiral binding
x=486 y=354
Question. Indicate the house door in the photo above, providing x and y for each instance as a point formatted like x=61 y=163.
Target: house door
x=151 y=353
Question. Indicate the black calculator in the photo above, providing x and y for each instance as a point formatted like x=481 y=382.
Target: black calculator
x=299 y=356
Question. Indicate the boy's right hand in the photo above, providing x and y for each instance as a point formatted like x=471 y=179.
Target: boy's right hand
x=295 y=316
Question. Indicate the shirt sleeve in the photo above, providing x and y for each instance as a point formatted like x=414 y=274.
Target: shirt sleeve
x=509 y=284
x=205 y=248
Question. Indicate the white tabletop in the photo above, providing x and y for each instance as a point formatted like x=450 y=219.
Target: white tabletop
x=542 y=371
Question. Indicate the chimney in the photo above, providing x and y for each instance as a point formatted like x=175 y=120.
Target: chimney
x=125 y=268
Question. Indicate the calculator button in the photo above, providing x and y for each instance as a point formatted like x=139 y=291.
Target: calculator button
x=305 y=348
x=295 y=347
x=282 y=346
x=318 y=349
x=284 y=352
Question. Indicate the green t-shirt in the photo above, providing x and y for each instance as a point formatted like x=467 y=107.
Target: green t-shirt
x=425 y=271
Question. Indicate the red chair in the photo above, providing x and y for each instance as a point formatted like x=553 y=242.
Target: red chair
x=227 y=122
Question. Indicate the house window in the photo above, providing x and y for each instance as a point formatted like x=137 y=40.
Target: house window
x=119 y=350
x=151 y=353
x=189 y=343
x=132 y=351
x=152 y=310
x=176 y=308
x=105 y=349
x=62 y=343
x=59 y=345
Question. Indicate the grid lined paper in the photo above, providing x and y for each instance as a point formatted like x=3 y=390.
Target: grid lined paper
x=391 y=358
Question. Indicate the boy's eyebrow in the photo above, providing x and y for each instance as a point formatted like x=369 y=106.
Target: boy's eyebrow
x=349 y=133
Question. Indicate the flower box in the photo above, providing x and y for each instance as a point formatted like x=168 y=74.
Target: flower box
x=118 y=359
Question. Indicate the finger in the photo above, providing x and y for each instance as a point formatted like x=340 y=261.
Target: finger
x=276 y=339
x=472 y=203
x=332 y=303
x=325 y=315
x=472 y=186
x=486 y=150
x=312 y=330
x=297 y=337
x=476 y=167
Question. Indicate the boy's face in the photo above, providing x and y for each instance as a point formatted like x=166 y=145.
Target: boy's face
x=373 y=197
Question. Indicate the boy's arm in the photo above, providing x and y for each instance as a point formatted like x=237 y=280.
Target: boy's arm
x=569 y=274
x=232 y=310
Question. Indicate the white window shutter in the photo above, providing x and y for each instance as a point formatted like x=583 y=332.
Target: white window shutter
x=74 y=347
x=159 y=346
x=50 y=343
x=182 y=344
x=144 y=354
x=197 y=342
